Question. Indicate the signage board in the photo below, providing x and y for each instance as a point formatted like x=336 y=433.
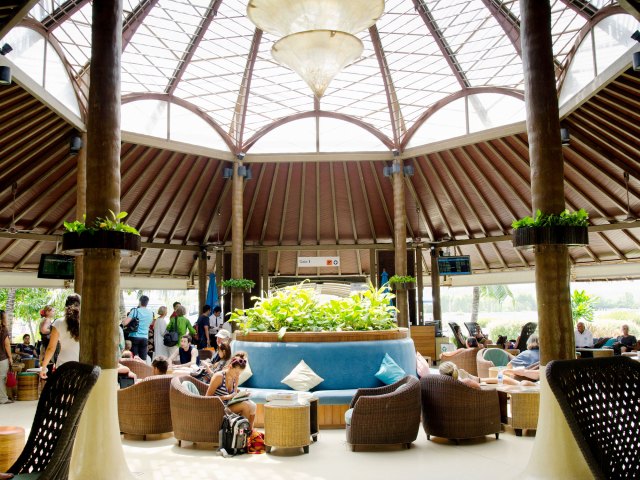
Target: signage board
x=317 y=262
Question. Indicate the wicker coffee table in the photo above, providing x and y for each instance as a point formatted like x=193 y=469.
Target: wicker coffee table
x=525 y=403
x=286 y=425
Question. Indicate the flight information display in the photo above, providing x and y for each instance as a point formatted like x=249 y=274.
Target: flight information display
x=454 y=265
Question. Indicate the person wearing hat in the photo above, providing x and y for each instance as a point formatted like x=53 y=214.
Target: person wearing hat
x=223 y=336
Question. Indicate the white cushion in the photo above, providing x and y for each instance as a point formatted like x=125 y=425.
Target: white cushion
x=302 y=378
x=191 y=387
x=245 y=375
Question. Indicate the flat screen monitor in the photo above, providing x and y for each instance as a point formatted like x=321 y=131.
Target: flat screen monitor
x=56 y=266
x=454 y=265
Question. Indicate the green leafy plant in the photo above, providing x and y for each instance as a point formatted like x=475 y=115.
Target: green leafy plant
x=401 y=279
x=298 y=309
x=582 y=306
x=114 y=224
x=241 y=283
x=564 y=219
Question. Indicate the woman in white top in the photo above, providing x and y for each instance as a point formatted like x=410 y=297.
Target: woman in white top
x=158 y=334
x=65 y=330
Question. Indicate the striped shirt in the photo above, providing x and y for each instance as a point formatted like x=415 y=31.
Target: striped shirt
x=222 y=389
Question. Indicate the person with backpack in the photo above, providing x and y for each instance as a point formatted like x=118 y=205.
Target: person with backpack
x=224 y=384
x=139 y=336
x=183 y=325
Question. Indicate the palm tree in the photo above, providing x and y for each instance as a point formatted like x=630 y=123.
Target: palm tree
x=496 y=292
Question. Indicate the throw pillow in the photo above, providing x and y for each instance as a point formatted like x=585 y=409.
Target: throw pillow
x=245 y=375
x=191 y=387
x=347 y=416
x=389 y=372
x=422 y=366
x=302 y=378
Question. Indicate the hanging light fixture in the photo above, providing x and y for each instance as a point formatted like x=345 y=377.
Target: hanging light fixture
x=317 y=35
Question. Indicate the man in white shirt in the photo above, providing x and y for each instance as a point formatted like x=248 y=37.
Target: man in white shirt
x=216 y=320
x=584 y=338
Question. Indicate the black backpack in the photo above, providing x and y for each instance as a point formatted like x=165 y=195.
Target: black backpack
x=133 y=325
x=234 y=434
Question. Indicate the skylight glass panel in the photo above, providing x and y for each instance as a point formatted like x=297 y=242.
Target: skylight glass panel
x=74 y=36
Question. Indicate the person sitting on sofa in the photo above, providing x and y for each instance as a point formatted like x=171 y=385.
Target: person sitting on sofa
x=471 y=343
x=451 y=369
x=224 y=384
x=187 y=353
x=584 y=338
x=625 y=342
x=25 y=349
x=224 y=354
x=530 y=356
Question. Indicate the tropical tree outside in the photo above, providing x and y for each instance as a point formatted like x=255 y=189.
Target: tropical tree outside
x=495 y=292
x=582 y=306
x=25 y=304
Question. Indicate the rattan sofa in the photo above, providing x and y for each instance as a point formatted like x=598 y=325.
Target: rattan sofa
x=465 y=359
x=143 y=408
x=140 y=368
x=195 y=418
x=385 y=415
x=453 y=410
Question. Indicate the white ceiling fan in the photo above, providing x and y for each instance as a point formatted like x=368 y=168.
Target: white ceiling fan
x=12 y=226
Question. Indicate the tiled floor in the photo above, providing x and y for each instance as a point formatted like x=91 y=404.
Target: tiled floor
x=329 y=458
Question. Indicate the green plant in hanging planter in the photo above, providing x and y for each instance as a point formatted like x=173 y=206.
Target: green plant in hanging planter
x=566 y=228
x=238 y=284
x=579 y=218
x=399 y=279
x=113 y=224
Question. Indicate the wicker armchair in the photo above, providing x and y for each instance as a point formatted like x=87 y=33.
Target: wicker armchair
x=527 y=330
x=465 y=359
x=206 y=354
x=453 y=410
x=484 y=364
x=143 y=408
x=385 y=415
x=599 y=398
x=461 y=342
x=195 y=418
x=48 y=450
x=140 y=368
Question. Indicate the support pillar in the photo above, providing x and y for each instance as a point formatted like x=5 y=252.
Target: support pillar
x=264 y=272
x=202 y=278
x=97 y=453
x=553 y=455
x=435 y=289
x=237 y=232
x=419 y=286
x=400 y=239
x=373 y=269
x=81 y=209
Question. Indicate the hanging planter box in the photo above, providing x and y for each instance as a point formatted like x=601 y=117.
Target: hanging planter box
x=75 y=244
x=236 y=290
x=526 y=237
x=402 y=286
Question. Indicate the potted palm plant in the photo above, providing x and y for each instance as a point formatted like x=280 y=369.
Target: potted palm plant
x=110 y=233
x=402 y=282
x=567 y=228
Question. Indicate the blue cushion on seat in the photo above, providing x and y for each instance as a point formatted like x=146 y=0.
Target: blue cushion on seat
x=390 y=372
x=610 y=342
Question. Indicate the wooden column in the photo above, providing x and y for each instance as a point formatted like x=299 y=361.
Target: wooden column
x=202 y=278
x=81 y=208
x=98 y=451
x=435 y=289
x=373 y=269
x=419 y=286
x=237 y=232
x=555 y=326
x=555 y=453
x=400 y=239
x=264 y=272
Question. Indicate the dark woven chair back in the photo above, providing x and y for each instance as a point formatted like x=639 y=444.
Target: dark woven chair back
x=527 y=331
x=599 y=398
x=205 y=354
x=48 y=449
x=472 y=327
x=461 y=342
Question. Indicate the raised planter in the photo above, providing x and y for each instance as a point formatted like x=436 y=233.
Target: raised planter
x=527 y=237
x=75 y=244
x=236 y=290
x=308 y=337
x=402 y=286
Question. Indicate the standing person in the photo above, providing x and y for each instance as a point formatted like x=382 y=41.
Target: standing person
x=183 y=324
x=140 y=338
x=202 y=327
x=215 y=323
x=175 y=309
x=187 y=353
x=158 y=333
x=46 y=320
x=66 y=330
x=5 y=357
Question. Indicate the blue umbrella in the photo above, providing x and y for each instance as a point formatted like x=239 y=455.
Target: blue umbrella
x=384 y=277
x=212 y=292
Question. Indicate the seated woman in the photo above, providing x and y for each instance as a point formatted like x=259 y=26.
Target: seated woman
x=450 y=369
x=224 y=352
x=187 y=353
x=530 y=356
x=224 y=384
x=471 y=342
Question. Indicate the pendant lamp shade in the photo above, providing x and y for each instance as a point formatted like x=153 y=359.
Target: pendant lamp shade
x=317 y=56
x=284 y=17
x=5 y=75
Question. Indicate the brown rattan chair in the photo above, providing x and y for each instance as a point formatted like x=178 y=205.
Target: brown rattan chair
x=527 y=330
x=140 y=368
x=143 y=408
x=599 y=398
x=453 y=410
x=48 y=450
x=461 y=342
x=195 y=418
x=385 y=415
x=464 y=359
x=206 y=354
